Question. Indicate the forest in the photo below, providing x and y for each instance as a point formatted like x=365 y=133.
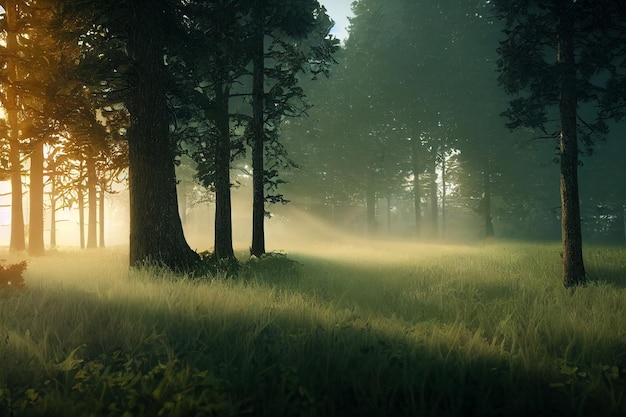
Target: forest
x=218 y=207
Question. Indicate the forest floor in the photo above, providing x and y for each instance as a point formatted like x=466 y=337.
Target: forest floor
x=362 y=329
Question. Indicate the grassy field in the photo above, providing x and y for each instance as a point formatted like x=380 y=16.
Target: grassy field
x=385 y=329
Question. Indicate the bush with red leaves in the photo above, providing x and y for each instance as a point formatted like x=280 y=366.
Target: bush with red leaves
x=11 y=276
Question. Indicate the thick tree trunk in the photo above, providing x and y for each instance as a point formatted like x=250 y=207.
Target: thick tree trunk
x=35 y=223
x=156 y=232
x=182 y=190
x=223 y=244
x=258 y=136
x=92 y=203
x=573 y=266
x=17 y=240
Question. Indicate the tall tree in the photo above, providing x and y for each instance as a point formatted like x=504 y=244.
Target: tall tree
x=156 y=232
x=10 y=102
x=560 y=58
x=213 y=62
x=128 y=61
x=285 y=25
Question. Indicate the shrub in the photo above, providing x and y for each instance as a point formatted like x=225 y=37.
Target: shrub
x=12 y=276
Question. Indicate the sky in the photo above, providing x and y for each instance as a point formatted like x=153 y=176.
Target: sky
x=339 y=10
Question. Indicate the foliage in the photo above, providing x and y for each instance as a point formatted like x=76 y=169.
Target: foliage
x=145 y=382
x=373 y=329
x=271 y=267
x=12 y=276
x=529 y=67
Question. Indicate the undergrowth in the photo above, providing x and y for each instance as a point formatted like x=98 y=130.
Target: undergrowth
x=389 y=330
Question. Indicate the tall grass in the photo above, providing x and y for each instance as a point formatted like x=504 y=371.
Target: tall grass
x=379 y=329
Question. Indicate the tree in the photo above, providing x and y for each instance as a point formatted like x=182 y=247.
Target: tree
x=156 y=233
x=126 y=62
x=560 y=58
x=285 y=24
x=213 y=62
x=10 y=102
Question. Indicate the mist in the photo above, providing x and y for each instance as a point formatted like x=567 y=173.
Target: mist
x=312 y=208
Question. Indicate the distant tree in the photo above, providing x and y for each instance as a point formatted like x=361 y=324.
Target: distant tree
x=560 y=58
x=31 y=77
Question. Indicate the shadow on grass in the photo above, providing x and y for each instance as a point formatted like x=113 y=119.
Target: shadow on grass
x=161 y=359
x=612 y=275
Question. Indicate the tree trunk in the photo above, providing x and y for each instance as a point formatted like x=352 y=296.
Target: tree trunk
x=92 y=203
x=573 y=266
x=258 y=135
x=489 y=233
x=81 y=215
x=443 y=194
x=53 y=212
x=370 y=206
x=35 y=223
x=182 y=190
x=417 y=195
x=156 y=232
x=434 y=207
x=101 y=216
x=388 y=198
x=223 y=239
x=17 y=240
x=624 y=222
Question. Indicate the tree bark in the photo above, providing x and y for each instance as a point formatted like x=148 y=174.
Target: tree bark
x=223 y=239
x=489 y=232
x=573 y=266
x=156 y=233
x=92 y=202
x=417 y=195
x=81 y=214
x=370 y=206
x=443 y=194
x=53 y=212
x=101 y=216
x=388 y=199
x=434 y=204
x=17 y=240
x=36 y=245
x=258 y=136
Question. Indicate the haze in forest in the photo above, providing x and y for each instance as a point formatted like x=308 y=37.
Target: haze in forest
x=257 y=126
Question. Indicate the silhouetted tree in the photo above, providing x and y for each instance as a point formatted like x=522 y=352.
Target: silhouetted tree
x=560 y=58
x=284 y=22
x=10 y=102
x=127 y=60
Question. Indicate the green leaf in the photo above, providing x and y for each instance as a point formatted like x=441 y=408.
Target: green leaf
x=568 y=370
x=70 y=362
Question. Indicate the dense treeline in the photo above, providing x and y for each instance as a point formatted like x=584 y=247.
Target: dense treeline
x=412 y=128
x=91 y=88
x=407 y=130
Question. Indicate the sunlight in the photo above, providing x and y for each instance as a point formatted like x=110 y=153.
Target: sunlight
x=434 y=319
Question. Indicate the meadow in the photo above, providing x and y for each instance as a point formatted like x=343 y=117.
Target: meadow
x=341 y=329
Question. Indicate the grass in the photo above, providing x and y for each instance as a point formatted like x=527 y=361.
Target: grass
x=378 y=329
